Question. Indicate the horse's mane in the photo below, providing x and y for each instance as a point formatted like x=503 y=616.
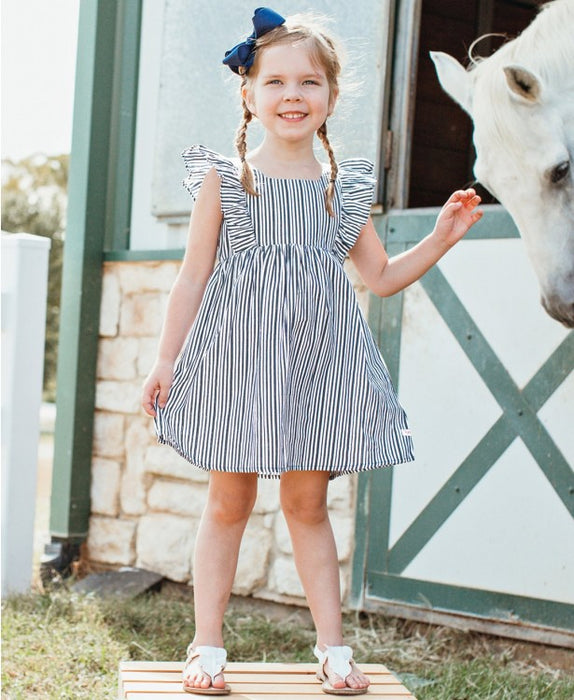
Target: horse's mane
x=545 y=47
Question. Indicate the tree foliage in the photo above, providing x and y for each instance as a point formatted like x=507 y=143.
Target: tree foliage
x=34 y=200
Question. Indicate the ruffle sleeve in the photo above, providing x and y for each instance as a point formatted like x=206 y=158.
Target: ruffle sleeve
x=357 y=179
x=199 y=160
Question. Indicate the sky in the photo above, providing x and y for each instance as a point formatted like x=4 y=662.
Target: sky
x=39 y=39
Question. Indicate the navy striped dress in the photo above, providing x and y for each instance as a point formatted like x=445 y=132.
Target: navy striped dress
x=280 y=371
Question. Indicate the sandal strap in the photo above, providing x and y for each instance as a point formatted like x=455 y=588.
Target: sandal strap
x=211 y=660
x=339 y=659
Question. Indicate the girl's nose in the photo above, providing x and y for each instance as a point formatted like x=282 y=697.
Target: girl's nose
x=292 y=93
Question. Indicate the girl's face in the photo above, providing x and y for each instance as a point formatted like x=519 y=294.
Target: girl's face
x=289 y=93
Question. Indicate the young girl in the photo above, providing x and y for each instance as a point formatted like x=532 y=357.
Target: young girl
x=279 y=375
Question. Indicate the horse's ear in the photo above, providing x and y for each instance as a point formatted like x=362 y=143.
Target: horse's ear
x=454 y=79
x=522 y=82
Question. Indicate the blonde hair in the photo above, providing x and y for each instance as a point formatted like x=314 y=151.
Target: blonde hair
x=301 y=28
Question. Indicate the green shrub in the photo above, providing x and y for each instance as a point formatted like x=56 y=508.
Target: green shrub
x=34 y=200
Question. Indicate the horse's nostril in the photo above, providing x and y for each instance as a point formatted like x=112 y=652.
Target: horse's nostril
x=559 y=310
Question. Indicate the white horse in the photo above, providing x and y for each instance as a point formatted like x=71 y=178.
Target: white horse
x=521 y=101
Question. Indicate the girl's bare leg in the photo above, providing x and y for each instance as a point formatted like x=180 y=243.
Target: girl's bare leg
x=304 y=504
x=229 y=503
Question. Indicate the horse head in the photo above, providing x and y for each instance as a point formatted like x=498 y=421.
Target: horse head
x=524 y=141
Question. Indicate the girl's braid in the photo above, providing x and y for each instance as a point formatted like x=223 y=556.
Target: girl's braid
x=241 y=145
x=330 y=191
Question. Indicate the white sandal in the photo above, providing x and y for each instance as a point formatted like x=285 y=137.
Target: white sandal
x=340 y=662
x=211 y=660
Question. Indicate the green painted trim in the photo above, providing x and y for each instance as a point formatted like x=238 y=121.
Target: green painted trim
x=380 y=519
x=81 y=285
x=142 y=255
x=374 y=489
x=521 y=413
x=385 y=316
x=380 y=223
x=552 y=373
x=519 y=420
x=385 y=322
x=397 y=230
x=471 y=601
x=90 y=167
x=538 y=390
x=123 y=124
x=412 y=225
x=359 y=564
x=473 y=342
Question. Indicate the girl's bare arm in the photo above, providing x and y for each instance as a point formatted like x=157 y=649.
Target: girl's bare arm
x=386 y=276
x=187 y=291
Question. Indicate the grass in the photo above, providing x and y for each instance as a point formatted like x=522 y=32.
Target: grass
x=63 y=645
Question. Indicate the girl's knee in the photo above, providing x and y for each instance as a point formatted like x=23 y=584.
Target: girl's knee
x=304 y=503
x=231 y=500
x=230 y=511
x=304 y=511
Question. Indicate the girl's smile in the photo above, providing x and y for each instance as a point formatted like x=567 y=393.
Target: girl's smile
x=293 y=116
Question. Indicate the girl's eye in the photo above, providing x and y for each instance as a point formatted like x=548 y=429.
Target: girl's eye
x=276 y=81
x=310 y=82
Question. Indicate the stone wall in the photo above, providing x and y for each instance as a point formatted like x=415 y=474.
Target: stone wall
x=146 y=500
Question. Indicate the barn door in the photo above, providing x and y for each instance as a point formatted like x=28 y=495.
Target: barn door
x=480 y=525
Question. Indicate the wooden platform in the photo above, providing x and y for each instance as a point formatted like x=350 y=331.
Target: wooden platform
x=142 y=680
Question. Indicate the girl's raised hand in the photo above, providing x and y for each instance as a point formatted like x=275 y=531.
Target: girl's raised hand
x=457 y=216
x=157 y=387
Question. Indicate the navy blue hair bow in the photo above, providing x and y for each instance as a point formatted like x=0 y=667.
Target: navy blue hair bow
x=242 y=55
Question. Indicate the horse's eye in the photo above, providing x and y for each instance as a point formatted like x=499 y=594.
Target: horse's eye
x=560 y=172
